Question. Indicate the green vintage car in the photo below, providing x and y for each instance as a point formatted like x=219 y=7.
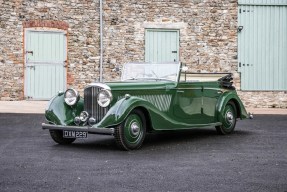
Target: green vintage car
x=150 y=97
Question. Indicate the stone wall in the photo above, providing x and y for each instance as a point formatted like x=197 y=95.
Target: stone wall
x=82 y=19
x=11 y=53
x=208 y=38
x=208 y=31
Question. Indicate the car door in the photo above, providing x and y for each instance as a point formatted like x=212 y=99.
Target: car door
x=211 y=94
x=188 y=102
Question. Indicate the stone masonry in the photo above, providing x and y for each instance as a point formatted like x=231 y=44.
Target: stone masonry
x=208 y=38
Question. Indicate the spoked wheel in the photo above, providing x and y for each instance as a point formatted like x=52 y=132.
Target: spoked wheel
x=130 y=134
x=57 y=136
x=228 y=120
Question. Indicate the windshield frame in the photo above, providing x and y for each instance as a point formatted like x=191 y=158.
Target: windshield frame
x=154 y=78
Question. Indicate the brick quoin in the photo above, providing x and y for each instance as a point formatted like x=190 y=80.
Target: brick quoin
x=46 y=23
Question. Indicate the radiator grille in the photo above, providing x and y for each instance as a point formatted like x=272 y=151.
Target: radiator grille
x=91 y=104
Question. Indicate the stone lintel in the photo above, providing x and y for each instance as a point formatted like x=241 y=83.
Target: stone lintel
x=161 y=25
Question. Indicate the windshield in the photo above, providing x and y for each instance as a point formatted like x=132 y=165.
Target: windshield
x=150 y=71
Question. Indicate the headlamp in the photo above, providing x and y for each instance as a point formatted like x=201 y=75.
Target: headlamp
x=71 y=97
x=104 y=97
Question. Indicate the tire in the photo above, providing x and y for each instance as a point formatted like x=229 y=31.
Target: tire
x=57 y=136
x=228 y=119
x=130 y=134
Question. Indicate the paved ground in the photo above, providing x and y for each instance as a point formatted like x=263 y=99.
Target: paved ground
x=254 y=158
x=38 y=107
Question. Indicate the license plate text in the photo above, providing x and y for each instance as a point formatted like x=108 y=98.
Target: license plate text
x=75 y=134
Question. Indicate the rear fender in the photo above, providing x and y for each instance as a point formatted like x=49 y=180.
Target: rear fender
x=224 y=99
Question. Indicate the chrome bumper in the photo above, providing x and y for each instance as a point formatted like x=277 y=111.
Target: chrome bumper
x=104 y=131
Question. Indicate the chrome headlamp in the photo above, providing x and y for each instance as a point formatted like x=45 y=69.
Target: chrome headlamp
x=104 y=97
x=71 y=97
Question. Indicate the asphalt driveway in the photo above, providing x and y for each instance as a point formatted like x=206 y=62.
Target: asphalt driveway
x=254 y=158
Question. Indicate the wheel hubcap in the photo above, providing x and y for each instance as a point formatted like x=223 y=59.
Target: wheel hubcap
x=135 y=129
x=229 y=117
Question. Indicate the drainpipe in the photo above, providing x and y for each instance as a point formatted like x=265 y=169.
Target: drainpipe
x=101 y=41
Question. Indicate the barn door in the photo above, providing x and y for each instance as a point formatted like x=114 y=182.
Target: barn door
x=161 y=45
x=262 y=46
x=45 y=55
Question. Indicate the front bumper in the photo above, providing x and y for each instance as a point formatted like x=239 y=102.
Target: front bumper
x=103 y=131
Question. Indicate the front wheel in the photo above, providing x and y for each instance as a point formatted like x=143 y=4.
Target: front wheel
x=228 y=119
x=130 y=134
x=57 y=136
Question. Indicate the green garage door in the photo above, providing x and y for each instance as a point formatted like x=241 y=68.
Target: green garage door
x=45 y=72
x=262 y=44
x=161 y=45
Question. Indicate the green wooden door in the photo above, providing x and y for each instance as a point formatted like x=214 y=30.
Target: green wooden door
x=45 y=73
x=161 y=45
x=262 y=45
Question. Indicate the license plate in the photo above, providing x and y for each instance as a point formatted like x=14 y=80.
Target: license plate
x=75 y=134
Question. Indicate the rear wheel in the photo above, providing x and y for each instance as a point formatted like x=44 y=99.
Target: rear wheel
x=57 y=136
x=130 y=134
x=228 y=119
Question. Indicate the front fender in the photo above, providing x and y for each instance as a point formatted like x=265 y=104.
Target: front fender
x=59 y=113
x=121 y=109
x=160 y=120
x=224 y=99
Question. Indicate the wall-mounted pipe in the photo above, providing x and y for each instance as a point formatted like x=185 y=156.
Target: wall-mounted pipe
x=101 y=41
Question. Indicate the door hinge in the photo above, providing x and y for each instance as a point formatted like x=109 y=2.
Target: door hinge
x=31 y=52
x=31 y=67
x=65 y=63
x=29 y=97
x=240 y=28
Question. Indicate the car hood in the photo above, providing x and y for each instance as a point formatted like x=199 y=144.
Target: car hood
x=136 y=85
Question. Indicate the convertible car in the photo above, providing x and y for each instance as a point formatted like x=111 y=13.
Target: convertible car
x=150 y=97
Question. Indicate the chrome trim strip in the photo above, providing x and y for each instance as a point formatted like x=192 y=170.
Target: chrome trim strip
x=204 y=88
x=217 y=89
x=104 y=131
x=188 y=89
x=101 y=85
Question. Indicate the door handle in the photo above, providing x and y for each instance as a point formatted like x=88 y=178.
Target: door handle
x=179 y=91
